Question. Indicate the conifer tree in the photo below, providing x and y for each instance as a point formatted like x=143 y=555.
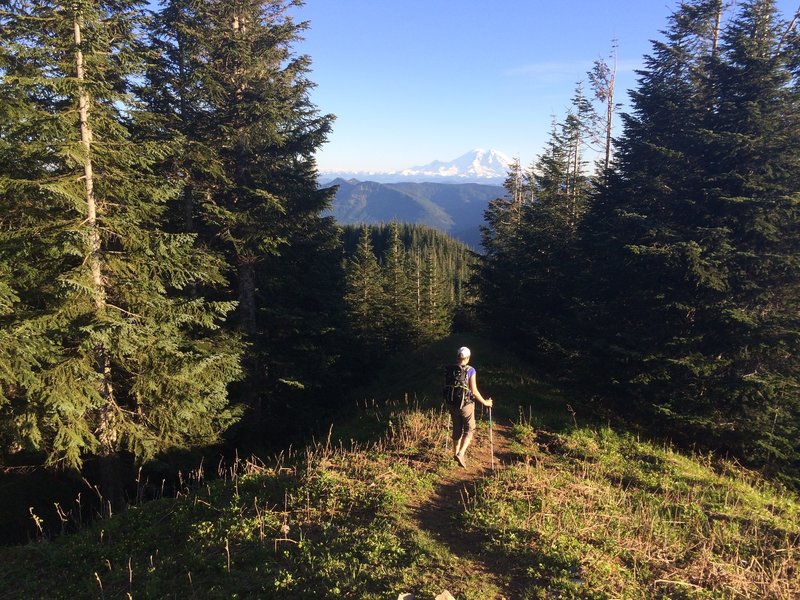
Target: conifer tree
x=433 y=318
x=229 y=84
x=438 y=269
x=748 y=317
x=112 y=358
x=527 y=274
x=697 y=231
x=399 y=307
x=632 y=253
x=603 y=78
x=364 y=295
x=561 y=189
x=502 y=240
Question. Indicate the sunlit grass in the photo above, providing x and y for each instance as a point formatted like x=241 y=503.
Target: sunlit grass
x=600 y=512
x=577 y=511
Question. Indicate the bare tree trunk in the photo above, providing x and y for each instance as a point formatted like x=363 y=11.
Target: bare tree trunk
x=253 y=362
x=247 y=294
x=612 y=76
x=419 y=285
x=107 y=430
x=188 y=207
x=602 y=78
x=789 y=29
x=717 y=25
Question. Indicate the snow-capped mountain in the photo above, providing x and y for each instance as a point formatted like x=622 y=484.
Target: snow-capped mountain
x=476 y=166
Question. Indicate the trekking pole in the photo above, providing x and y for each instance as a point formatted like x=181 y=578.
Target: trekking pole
x=491 y=441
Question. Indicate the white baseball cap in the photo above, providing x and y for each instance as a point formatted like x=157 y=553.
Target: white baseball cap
x=464 y=352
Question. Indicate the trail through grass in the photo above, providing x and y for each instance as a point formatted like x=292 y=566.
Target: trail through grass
x=573 y=509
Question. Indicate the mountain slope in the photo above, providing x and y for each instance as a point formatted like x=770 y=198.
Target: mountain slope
x=456 y=209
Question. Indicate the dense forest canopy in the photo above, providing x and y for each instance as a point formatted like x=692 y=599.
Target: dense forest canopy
x=668 y=285
x=168 y=278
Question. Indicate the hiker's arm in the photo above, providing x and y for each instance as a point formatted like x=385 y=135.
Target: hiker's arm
x=473 y=385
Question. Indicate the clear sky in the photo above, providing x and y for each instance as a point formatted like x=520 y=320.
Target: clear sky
x=412 y=81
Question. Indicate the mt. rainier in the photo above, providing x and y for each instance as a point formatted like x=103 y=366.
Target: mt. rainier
x=476 y=166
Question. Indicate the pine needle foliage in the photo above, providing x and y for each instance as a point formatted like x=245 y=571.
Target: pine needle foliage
x=225 y=82
x=404 y=284
x=528 y=274
x=100 y=353
x=698 y=287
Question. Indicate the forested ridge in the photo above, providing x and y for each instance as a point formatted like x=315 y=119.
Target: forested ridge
x=169 y=282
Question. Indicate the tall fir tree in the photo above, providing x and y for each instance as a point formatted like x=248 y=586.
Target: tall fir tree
x=364 y=296
x=228 y=83
x=657 y=177
x=502 y=241
x=698 y=233
x=750 y=319
x=434 y=311
x=526 y=277
x=109 y=358
x=438 y=270
x=602 y=78
x=561 y=190
x=398 y=294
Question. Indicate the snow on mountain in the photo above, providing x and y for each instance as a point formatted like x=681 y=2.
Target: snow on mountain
x=476 y=166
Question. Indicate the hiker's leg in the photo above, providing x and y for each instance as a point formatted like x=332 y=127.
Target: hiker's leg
x=458 y=429
x=468 y=427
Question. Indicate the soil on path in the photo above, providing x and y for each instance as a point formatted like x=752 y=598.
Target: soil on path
x=440 y=514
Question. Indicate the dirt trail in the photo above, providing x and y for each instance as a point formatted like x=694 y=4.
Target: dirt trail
x=439 y=514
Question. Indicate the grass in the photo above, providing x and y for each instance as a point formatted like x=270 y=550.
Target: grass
x=578 y=511
x=596 y=513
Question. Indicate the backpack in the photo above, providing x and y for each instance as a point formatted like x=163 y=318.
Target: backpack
x=456 y=386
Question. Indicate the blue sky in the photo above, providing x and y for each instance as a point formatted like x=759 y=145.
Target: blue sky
x=412 y=81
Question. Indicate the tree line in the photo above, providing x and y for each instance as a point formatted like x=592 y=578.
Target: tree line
x=403 y=285
x=167 y=276
x=667 y=282
x=161 y=238
x=167 y=279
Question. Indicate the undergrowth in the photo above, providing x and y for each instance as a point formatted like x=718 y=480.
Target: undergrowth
x=576 y=511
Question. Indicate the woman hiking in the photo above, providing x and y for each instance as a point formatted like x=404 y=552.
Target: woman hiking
x=461 y=391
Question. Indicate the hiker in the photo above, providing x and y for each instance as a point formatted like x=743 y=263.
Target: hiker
x=461 y=391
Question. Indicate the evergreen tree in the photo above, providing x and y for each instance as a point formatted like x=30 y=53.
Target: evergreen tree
x=109 y=357
x=228 y=83
x=749 y=319
x=561 y=189
x=527 y=274
x=399 y=305
x=433 y=311
x=364 y=296
x=603 y=78
x=502 y=240
x=697 y=230
x=576 y=132
x=438 y=267
x=631 y=239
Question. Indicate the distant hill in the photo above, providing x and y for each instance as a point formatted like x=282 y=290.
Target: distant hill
x=456 y=209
